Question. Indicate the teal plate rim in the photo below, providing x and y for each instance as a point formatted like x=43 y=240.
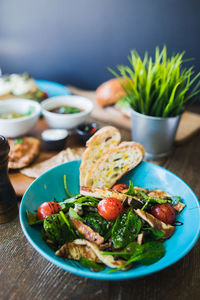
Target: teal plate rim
x=120 y=275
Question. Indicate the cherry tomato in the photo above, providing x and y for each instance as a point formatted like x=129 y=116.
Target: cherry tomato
x=120 y=187
x=47 y=209
x=45 y=95
x=109 y=208
x=164 y=212
x=93 y=130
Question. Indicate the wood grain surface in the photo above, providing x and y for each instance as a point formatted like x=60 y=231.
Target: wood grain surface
x=25 y=274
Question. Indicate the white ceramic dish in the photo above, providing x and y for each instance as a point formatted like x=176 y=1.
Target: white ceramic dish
x=66 y=121
x=13 y=128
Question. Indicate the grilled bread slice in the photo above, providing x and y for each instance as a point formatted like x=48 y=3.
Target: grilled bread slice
x=103 y=140
x=22 y=152
x=114 y=164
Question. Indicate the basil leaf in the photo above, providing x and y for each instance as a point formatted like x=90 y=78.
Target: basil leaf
x=126 y=228
x=91 y=264
x=32 y=218
x=99 y=224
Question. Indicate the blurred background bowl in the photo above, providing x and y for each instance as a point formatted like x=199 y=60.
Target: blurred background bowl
x=86 y=130
x=66 y=121
x=16 y=127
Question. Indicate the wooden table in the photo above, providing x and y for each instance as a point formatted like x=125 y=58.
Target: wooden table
x=25 y=274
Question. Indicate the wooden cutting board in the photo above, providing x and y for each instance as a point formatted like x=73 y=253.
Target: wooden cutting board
x=190 y=123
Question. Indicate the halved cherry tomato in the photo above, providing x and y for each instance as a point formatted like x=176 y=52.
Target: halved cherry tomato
x=120 y=187
x=164 y=212
x=109 y=208
x=47 y=209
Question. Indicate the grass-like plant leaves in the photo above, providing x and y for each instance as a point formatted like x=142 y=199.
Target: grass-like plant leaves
x=160 y=88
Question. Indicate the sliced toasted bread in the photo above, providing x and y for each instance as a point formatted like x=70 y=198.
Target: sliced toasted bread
x=114 y=164
x=103 y=140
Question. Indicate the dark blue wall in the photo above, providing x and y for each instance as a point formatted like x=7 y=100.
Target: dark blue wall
x=74 y=41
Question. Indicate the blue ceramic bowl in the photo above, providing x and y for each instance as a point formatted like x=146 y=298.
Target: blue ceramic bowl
x=52 y=88
x=50 y=186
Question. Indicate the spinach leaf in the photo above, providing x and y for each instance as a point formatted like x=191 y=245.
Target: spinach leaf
x=32 y=218
x=58 y=229
x=88 y=201
x=98 y=224
x=175 y=200
x=149 y=200
x=108 y=234
x=147 y=254
x=126 y=228
x=78 y=199
x=96 y=267
x=73 y=214
x=159 y=200
x=68 y=223
x=151 y=253
x=127 y=252
x=131 y=190
x=48 y=241
x=67 y=203
x=154 y=233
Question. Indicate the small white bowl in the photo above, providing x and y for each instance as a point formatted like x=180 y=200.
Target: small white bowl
x=13 y=128
x=66 y=121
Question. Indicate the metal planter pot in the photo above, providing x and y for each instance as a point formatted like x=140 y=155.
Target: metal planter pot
x=154 y=133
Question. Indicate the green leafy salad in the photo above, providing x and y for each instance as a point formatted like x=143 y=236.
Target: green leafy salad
x=116 y=227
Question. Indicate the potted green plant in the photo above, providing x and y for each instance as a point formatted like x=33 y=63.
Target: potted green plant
x=157 y=92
